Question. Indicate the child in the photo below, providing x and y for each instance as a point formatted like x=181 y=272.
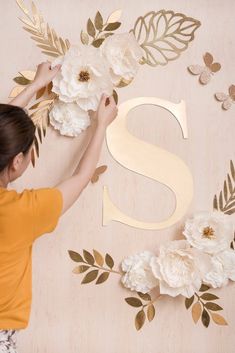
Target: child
x=27 y=215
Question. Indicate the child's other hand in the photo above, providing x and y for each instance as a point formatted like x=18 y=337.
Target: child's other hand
x=44 y=74
x=107 y=110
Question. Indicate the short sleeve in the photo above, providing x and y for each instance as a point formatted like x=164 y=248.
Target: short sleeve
x=47 y=204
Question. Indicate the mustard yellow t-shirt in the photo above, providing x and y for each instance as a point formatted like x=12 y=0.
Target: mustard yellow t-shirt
x=23 y=218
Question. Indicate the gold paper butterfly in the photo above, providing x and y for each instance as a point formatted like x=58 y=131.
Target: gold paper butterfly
x=207 y=71
x=227 y=99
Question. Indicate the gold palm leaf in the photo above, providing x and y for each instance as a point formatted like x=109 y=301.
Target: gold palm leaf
x=45 y=36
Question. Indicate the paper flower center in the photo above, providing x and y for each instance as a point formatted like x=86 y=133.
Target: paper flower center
x=83 y=76
x=208 y=232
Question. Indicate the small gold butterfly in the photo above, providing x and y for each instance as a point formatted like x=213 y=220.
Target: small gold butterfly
x=98 y=171
x=227 y=99
x=207 y=71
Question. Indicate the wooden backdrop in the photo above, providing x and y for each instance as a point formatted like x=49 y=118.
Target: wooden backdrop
x=67 y=316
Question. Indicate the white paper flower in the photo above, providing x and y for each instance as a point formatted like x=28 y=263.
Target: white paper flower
x=123 y=53
x=139 y=276
x=83 y=77
x=209 y=232
x=180 y=268
x=68 y=118
x=223 y=269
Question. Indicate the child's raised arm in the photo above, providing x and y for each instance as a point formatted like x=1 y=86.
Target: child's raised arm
x=44 y=75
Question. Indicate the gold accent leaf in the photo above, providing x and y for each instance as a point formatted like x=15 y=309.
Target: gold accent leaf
x=75 y=256
x=133 y=301
x=15 y=91
x=88 y=257
x=196 y=312
x=204 y=288
x=90 y=28
x=90 y=276
x=112 y=26
x=140 y=319
x=205 y=318
x=115 y=96
x=84 y=38
x=103 y=277
x=40 y=93
x=218 y=319
x=80 y=269
x=226 y=200
x=44 y=35
x=21 y=80
x=213 y=306
x=97 y=42
x=109 y=261
x=98 y=258
x=150 y=312
x=98 y=21
x=100 y=170
x=115 y=16
x=30 y=75
x=144 y=296
x=164 y=35
x=209 y=296
x=123 y=82
x=189 y=302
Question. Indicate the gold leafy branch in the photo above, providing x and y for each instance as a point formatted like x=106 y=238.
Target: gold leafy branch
x=163 y=35
x=94 y=262
x=225 y=202
x=98 y=30
x=45 y=36
x=141 y=315
x=205 y=308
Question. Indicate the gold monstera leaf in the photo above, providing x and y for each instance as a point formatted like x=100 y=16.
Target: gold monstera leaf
x=163 y=35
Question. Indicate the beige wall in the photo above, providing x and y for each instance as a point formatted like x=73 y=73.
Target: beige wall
x=67 y=316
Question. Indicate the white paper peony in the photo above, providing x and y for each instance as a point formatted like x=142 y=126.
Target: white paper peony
x=139 y=276
x=68 y=118
x=83 y=77
x=209 y=232
x=223 y=269
x=180 y=268
x=122 y=53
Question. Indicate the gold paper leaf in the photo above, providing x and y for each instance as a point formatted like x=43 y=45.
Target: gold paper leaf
x=97 y=42
x=90 y=276
x=144 y=296
x=140 y=319
x=204 y=288
x=115 y=16
x=40 y=93
x=80 y=269
x=84 y=38
x=98 y=21
x=218 y=319
x=109 y=261
x=205 y=318
x=40 y=104
x=134 y=301
x=98 y=258
x=150 y=312
x=88 y=257
x=209 y=296
x=21 y=80
x=213 y=306
x=30 y=75
x=100 y=170
x=112 y=26
x=123 y=82
x=189 y=302
x=75 y=256
x=15 y=91
x=103 y=277
x=90 y=28
x=115 y=96
x=196 y=312
x=163 y=35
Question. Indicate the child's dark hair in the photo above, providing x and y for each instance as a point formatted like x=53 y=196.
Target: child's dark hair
x=17 y=133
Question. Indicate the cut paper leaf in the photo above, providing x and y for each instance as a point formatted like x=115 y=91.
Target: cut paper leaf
x=164 y=35
x=196 y=312
x=100 y=170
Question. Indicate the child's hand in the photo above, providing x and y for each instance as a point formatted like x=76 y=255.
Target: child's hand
x=107 y=110
x=44 y=74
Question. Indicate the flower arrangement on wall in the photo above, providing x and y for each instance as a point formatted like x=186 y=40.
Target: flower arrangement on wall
x=102 y=62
